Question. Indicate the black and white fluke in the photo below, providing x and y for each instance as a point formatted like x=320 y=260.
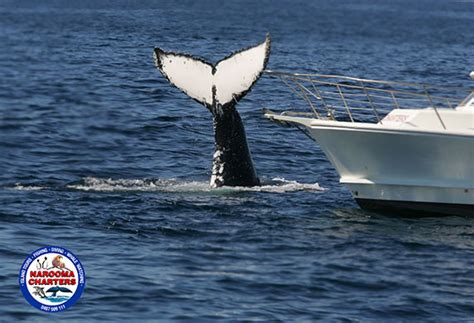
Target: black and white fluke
x=219 y=87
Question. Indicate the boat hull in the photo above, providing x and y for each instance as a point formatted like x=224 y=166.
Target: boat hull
x=390 y=168
x=399 y=169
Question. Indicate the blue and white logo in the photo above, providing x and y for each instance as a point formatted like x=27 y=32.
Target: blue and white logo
x=52 y=279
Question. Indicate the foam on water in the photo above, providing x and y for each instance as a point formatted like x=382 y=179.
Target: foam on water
x=25 y=187
x=276 y=185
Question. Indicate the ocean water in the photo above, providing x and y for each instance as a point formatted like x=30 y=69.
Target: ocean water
x=98 y=154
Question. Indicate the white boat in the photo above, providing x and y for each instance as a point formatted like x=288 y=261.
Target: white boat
x=397 y=146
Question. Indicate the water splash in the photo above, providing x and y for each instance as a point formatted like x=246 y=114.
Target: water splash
x=276 y=185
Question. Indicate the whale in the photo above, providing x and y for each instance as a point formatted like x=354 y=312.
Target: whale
x=219 y=87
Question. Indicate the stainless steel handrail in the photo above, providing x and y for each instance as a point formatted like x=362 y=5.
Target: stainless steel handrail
x=326 y=88
x=350 y=78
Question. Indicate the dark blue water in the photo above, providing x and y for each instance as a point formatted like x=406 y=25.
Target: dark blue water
x=98 y=154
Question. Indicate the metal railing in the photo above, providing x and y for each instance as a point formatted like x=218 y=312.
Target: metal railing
x=355 y=99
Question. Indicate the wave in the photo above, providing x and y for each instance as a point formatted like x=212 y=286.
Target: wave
x=93 y=184
x=58 y=299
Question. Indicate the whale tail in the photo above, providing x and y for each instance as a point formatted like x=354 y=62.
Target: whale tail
x=219 y=87
x=221 y=83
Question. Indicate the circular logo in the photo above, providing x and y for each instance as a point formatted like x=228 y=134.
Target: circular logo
x=52 y=279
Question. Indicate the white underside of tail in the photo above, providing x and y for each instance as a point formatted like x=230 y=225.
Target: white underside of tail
x=232 y=77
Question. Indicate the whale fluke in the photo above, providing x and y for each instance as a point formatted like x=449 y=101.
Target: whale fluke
x=57 y=289
x=219 y=87
x=231 y=78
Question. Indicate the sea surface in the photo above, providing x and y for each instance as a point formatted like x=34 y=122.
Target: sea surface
x=100 y=155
